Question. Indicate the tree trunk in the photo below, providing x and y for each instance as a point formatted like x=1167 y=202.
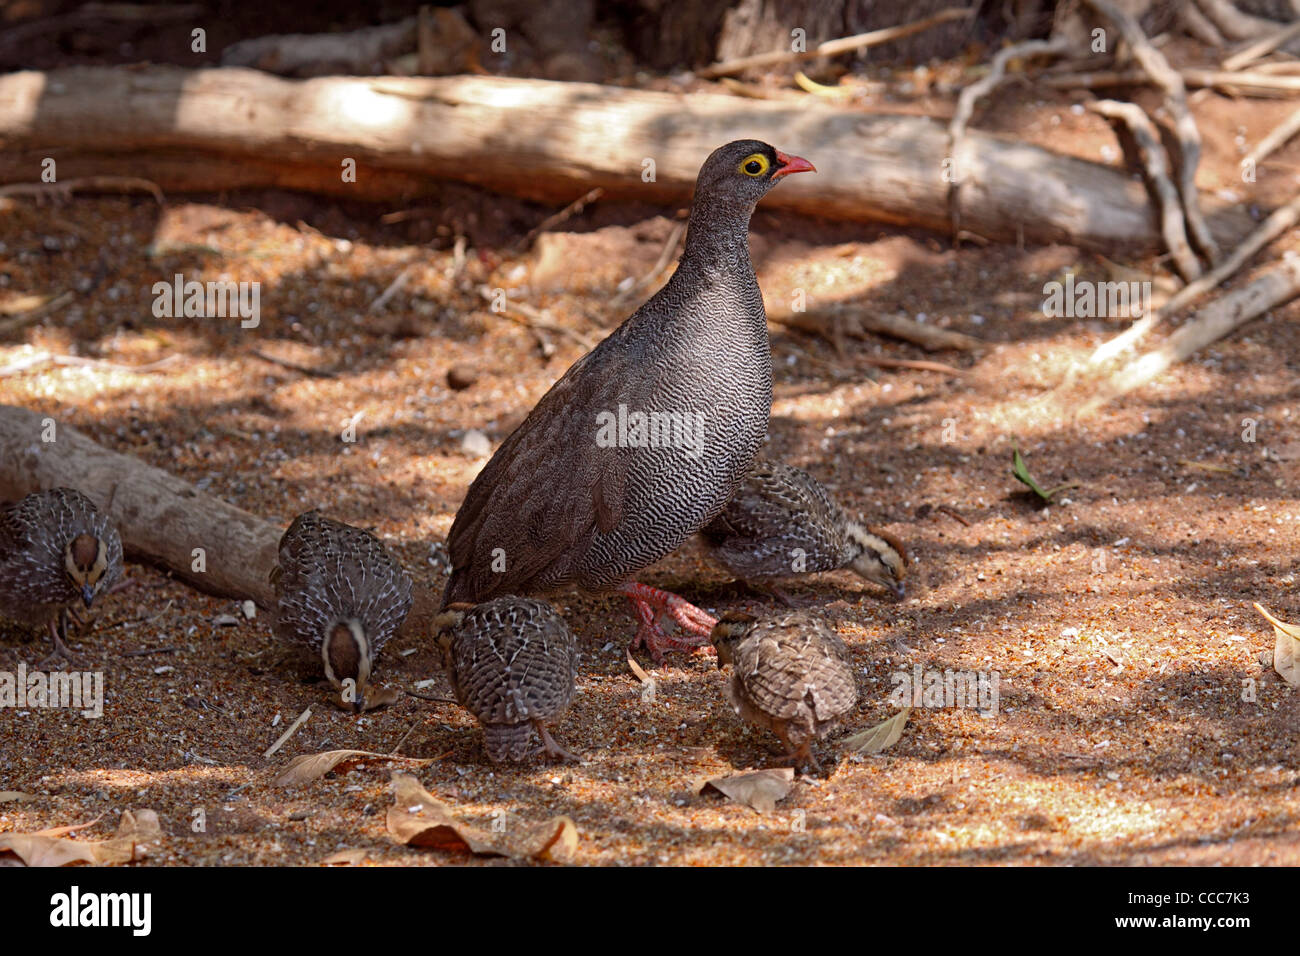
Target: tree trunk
x=222 y=129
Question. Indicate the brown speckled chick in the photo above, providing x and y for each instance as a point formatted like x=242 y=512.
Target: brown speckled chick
x=781 y=522
x=56 y=548
x=341 y=593
x=512 y=662
x=790 y=675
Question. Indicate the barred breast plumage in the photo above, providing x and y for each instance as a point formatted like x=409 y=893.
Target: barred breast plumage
x=340 y=592
x=513 y=663
x=790 y=674
x=781 y=522
x=56 y=548
x=644 y=439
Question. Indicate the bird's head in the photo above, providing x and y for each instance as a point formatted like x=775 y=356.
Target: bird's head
x=745 y=170
x=879 y=557
x=85 y=559
x=728 y=632
x=346 y=653
x=448 y=619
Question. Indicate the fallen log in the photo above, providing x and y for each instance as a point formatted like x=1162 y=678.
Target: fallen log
x=221 y=129
x=161 y=518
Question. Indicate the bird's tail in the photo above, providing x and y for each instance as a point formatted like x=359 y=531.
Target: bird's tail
x=508 y=741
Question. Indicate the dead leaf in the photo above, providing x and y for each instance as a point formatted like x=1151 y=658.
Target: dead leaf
x=50 y=848
x=638 y=670
x=15 y=796
x=353 y=857
x=309 y=767
x=372 y=698
x=417 y=818
x=880 y=737
x=759 y=789
x=1286 y=648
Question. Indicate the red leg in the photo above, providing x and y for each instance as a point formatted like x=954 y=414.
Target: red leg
x=552 y=748
x=60 y=649
x=652 y=605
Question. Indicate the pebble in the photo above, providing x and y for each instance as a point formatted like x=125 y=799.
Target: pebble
x=461 y=377
x=476 y=444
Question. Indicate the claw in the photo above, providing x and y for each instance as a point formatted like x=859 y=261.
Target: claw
x=552 y=748
x=60 y=649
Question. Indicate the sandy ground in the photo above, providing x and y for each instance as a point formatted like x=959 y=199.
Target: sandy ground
x=1135 y=723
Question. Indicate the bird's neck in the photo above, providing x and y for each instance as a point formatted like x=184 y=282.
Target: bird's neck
x=717 y=239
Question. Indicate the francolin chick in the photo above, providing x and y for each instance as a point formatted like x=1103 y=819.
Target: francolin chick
x=340 y=593
x=790 y=675
x=512 y=662
x=56 y=548
x=782 y=522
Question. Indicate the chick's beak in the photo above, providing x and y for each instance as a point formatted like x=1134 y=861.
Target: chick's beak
x=792 y=164
x=899 y=589
x=87 y=594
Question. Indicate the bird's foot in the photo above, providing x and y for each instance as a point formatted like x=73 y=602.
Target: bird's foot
x=650 y=633
x=652 y=605
x=551 y=747
x=60 y=652
x=802 y=757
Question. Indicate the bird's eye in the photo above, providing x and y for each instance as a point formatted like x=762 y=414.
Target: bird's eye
x=755 y=165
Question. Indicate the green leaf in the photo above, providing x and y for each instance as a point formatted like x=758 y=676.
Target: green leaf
x=1021 y=472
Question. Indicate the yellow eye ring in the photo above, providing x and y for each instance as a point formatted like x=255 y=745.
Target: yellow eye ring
x=754 y=165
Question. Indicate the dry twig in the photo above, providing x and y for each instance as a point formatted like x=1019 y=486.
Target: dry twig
x=1262 y=48
x=918 y=364
x=833 y=47
x=1262 y=83
x=284 y=737
x=550 y=222
x=1276 y=138
x=666 y=255
x=1189 y=138
x=31 y=316
x=293 y=366
x=1225 y=314
x=833 y=323
x=957 y=151
x=64 y=190
x=1272 y=227
x=1172 y=224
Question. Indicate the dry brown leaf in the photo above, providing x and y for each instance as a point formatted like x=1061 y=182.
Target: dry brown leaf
x=1286 y=648
x=309 y=767
x=417 y=818
x=353 y=857
x=49 y=848
x=638 y=670
x=15 y=796
x=880 y=737
x=759 y=789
